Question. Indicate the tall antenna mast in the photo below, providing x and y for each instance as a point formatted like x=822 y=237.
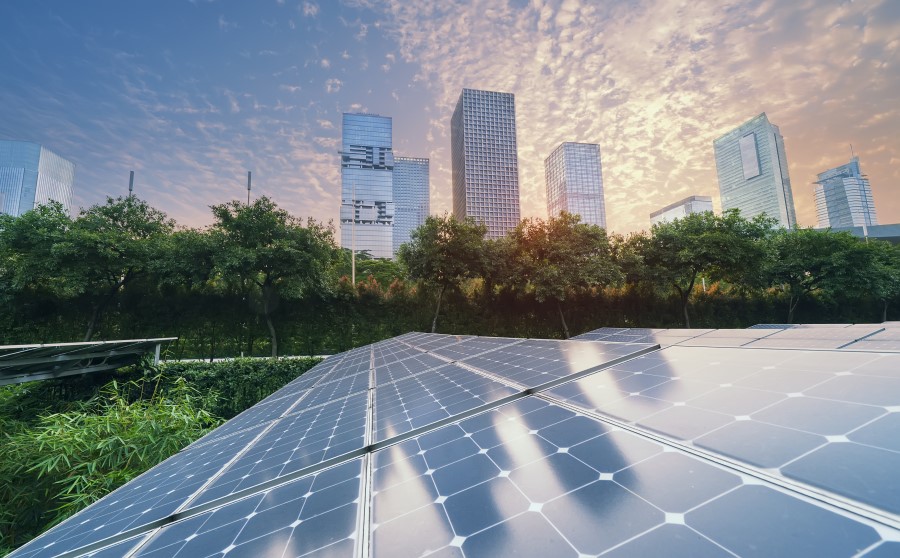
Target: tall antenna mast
x=248 y=187
x=852 y=155
x=131 y=184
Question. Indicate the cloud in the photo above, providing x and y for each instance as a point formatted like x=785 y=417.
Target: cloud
x=655 y=99
x=226 y=25
x=309 y=9
x=325 y=63
x=326 y=124
x=333 y=85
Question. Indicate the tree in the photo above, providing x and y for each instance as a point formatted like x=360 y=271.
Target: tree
x=268 y=252
x=883 y=279
x=718 y=247
x=27 y=257
x=561 y=256
x=807 y=261
x=442 y=253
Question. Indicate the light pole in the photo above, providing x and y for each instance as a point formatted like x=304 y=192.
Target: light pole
x=248 y=188
x=353 y=237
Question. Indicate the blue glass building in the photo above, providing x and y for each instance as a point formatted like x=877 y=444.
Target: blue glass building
x=752 y=169
x=485 y=160
x=844 y=197
x=367 y=198
x=32 y=175
x=575 y=182
x=411 y=197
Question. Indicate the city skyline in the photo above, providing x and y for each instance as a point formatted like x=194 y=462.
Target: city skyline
x=192 y=96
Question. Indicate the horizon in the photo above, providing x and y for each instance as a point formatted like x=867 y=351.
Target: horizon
x=194 y=95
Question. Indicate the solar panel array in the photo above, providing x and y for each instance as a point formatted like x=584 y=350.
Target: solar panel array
x=625 y=443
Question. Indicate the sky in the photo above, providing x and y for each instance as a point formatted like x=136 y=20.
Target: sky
x=192 y=94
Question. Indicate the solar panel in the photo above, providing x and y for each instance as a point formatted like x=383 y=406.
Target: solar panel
x=315 y=514
x=25 y=363
x=490 y=446
x=789 y=412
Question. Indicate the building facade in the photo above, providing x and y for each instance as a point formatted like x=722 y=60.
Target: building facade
x=367 y=197
x=682 y=208
x=575 y=182
x=485 y=160
x=844 y=197
x=751 y=165
x=32 y=175
x=412 y=202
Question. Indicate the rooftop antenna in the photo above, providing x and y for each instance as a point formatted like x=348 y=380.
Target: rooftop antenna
x=131 y=184
x=248 y=187
x=852 y=155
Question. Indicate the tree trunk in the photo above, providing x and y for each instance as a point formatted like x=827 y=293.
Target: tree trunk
x=271 y=326
x=95 y=316
x=684 y=296
x=792 y=305
x=684 y=310
x=884 y=311
x=437 y=310
x=563 y=318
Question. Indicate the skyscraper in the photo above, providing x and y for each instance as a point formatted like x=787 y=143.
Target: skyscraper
x=31 y=175
x=575 y=182
x=485 y=160
x=753 y=173
x=367 y=198
x=411 y=197
x=844 y=197
x=682 y=208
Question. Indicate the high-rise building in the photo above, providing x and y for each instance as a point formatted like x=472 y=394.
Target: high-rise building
x=411 y=197
x=844 y=197
x=753 y=173
x=485 y=160
x=31 y=175
x=575 y=182
x=367 y=197
x=682 y=208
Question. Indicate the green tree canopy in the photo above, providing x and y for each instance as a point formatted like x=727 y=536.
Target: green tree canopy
x=263 y=249
x=718 y=247
x=807 y=261
x=560 y=256
x=443 y=252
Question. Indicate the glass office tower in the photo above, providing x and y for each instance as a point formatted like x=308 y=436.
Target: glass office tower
x=411 y=197
x=682 y=208
x=485 y=160
x=753 y=173
x=575 y=182
x=32 y=175
x=367 y=198
x=844 y=197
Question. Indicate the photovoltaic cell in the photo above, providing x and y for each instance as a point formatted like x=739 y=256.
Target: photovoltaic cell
x=534 y=362
x=405 y=368
x=534 y=479
x=431 y=396
x=315 y=514
x=793 y=412
x=472 y=346
x=296 y=442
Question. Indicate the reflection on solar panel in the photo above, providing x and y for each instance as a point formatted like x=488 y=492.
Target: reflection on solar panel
x=24 y=363
x=470 y=446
